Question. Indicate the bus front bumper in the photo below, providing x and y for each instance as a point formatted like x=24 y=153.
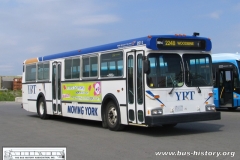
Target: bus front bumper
x=181 y=118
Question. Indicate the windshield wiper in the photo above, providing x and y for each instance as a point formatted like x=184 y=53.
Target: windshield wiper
x=171 y=90
x=173 y=84
x=199 y=90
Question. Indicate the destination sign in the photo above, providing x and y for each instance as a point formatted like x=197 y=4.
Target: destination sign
x=186 y=44
x=225 y=66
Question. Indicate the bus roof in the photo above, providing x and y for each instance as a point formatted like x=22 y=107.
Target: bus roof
x=225 y=57
x=149 y=41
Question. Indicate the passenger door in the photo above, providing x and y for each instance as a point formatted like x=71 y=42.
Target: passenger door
x=56 y=88
x=226 y=87
x=135 y=90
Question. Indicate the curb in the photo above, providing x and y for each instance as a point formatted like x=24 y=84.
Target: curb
x=18 y=99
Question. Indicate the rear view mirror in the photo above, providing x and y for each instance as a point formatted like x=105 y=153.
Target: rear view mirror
x=146 y=65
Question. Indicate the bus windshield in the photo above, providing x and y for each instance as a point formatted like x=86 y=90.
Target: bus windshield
x=166 y=70
x=197 y=70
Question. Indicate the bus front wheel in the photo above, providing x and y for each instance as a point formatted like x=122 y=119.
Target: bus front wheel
x=41 y=109
x=113 y=117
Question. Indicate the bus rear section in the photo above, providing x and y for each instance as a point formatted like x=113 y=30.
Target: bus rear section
x=226 y=80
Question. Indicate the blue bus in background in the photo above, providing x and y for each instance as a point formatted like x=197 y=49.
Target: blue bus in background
x=226 y=80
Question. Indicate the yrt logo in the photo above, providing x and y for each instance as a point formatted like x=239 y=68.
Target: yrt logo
x=31 y=89
x=185 y=95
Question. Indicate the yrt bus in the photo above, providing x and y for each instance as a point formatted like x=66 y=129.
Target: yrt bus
x=226 y=80
x=149 y=81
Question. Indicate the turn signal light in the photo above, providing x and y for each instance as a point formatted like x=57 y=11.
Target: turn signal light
x=156 y=96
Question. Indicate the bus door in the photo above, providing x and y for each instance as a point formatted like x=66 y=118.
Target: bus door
x=135 y=99
x=226 y=87
x=56 y=87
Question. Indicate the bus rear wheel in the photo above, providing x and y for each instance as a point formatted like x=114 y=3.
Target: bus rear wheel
x=113 y=117
x=41 y=109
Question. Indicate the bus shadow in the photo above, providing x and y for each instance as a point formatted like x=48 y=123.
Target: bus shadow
x=227 y=110
x=73 y=121
x=180 y=129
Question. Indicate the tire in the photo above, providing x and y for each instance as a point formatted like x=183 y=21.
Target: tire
x=104 y=121
x=41 y=109
x=113 y=117
x=171 y=125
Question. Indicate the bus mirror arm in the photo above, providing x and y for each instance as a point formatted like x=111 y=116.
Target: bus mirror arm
x=146 y=65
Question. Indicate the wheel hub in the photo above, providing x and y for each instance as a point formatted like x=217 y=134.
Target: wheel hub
x=112 y=116
x=41 y=108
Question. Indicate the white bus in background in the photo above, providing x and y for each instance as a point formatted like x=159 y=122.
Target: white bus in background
x=158 y=80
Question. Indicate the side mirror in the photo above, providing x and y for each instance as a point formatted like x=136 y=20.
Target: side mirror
x=235 y=75
x=146 y=65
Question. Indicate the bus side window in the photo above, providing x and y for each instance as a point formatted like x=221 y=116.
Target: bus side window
x=111 y=64
x=31 y=72
x=86 y=67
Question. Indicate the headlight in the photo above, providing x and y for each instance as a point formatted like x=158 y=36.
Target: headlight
x=210 y=107
x=158 y=111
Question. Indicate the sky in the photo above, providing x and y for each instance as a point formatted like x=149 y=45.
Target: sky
x=33 y=28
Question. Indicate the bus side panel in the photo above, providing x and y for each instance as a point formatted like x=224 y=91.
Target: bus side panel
x=47 y=88
x=49 y=108
x=24 y=96
x=123 y=110
x=216 y=98
x=29 y=97
x=236 y=99
x=82 y=111
x=92 y=111
x=31 y=93
x=118 y=89
x=32 y=106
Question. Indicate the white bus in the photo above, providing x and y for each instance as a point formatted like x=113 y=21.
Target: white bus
x=149 y=81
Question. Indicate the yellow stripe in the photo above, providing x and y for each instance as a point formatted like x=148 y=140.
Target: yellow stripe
x=221 y=92
x=150 y=97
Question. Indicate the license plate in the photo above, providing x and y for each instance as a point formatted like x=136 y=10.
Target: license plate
x=178 y=108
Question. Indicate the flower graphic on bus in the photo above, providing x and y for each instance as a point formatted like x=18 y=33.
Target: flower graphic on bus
x=97 y=88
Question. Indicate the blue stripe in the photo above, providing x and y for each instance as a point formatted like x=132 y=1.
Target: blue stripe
x=208 y=99
x=151 y=94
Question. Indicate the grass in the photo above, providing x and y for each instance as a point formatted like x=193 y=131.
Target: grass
x=10 y=95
